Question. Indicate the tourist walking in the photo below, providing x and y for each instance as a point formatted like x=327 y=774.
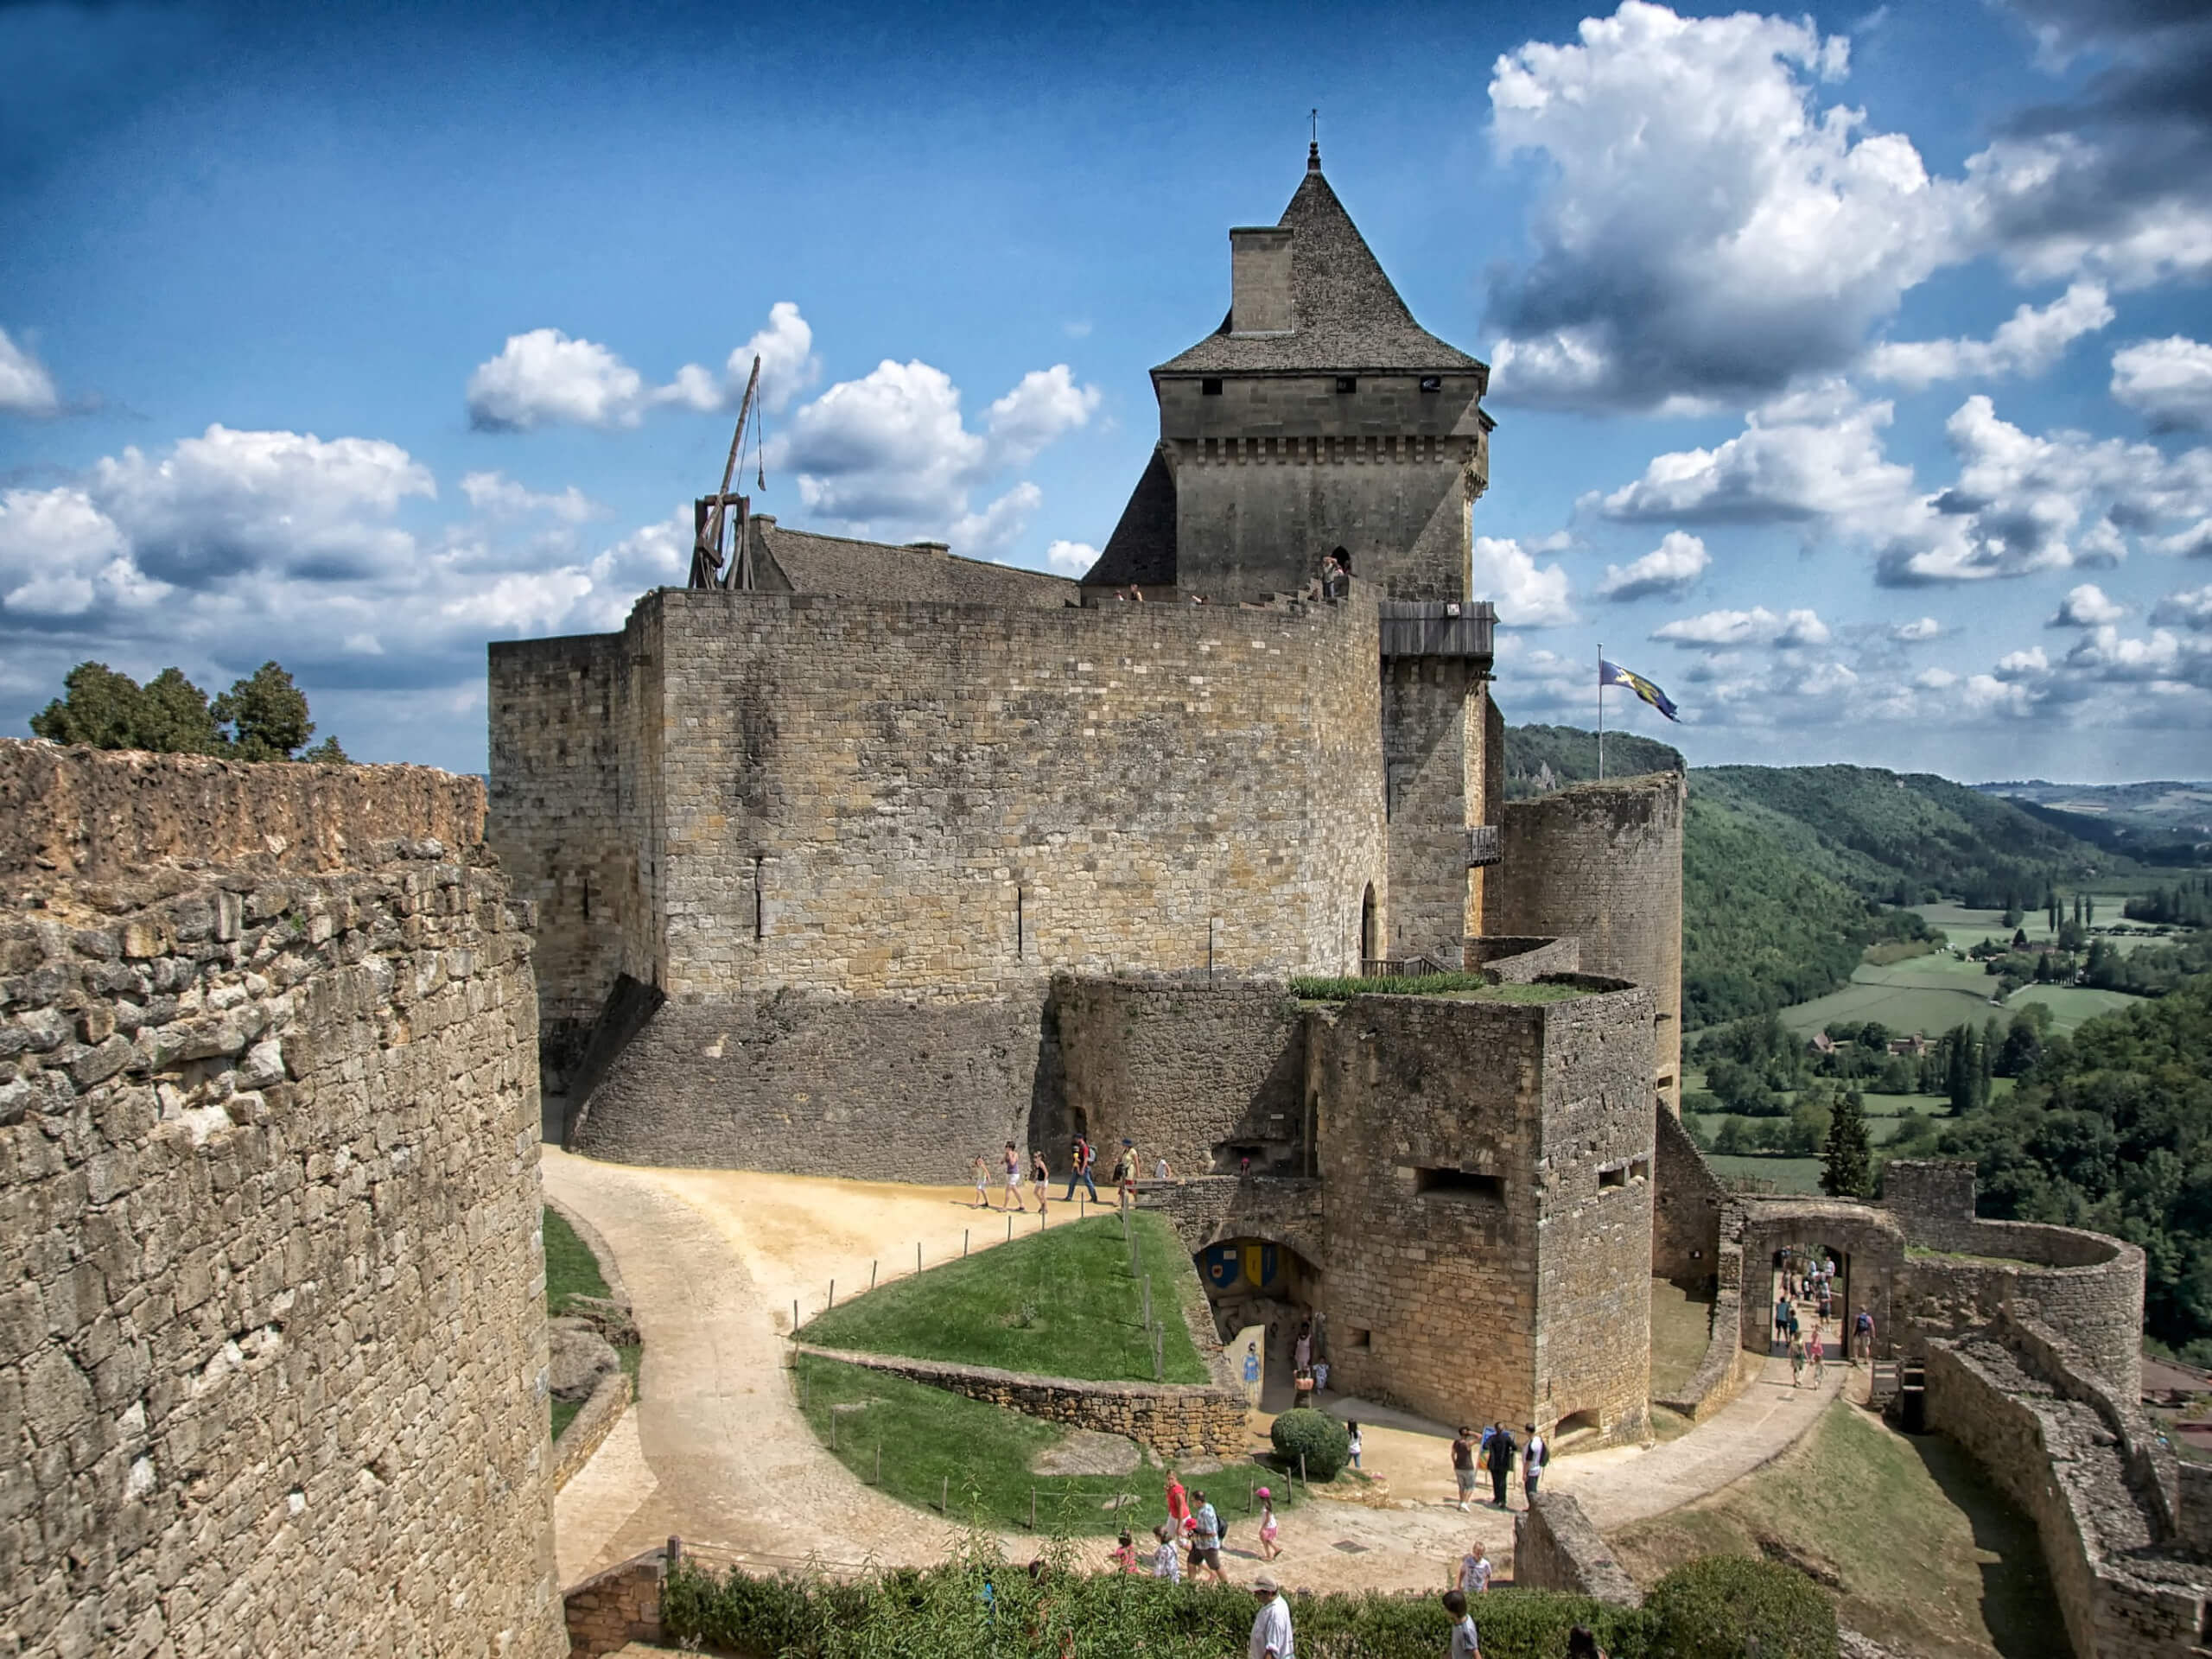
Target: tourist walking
x=1816 y=1351
x=1040 y=1177
x=1080 y=1160
x=1163 y=1171
x=1268 y=1526
x=1179 y=1504
x=1123 y=1556
x=1533 y=1455
x=1205 y=1539
x=1301 y=1351
x=1012 y=1162
x=1474 y=1571
x=1862 y=1337
x=1796 y=1361
x=1465 y=1643
x=1463 y=1465
x=1502 y=1449
x=1781 y=1313
x=1271 y=1632
x=1351 y=1425
x=982 y=1182
x=1168 y=1559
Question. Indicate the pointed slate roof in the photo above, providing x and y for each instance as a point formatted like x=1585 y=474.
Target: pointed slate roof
x=1349 y=317
x=842 y=568
x=1142 y=549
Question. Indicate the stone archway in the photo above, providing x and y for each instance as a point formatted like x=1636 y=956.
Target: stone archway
x=1250 y=1281
x=1867 y=1243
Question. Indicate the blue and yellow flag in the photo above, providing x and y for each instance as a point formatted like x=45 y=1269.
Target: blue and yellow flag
x=1614 y=674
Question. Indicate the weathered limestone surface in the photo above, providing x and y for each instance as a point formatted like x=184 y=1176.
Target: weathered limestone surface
x=1555 y=1547
x=605 y=1614
x=588 y=1429
x=272 y=1345
x=1177 y=1420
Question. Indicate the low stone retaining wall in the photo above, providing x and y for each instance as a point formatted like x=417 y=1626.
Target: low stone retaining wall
x=611 y=1610
x=1555 y=1547
x=588 y=1429
x=1177 y=1420
x=1519 y=961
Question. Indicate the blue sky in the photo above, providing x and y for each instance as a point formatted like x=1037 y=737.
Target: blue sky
x=1852 y=368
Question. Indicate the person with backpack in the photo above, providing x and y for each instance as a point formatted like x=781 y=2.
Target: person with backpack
x=1080 y=1160
x=1533 y=1455
x=1501 y=1448
x=1862 y=1337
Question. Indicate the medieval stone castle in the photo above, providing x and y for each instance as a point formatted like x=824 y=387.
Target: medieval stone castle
x=873 y=863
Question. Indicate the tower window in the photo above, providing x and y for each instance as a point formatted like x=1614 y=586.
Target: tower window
x=1431 y=383
x=1347 y=383
x=1210 y=387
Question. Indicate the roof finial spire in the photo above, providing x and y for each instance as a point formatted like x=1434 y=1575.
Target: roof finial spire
x=1313 y=150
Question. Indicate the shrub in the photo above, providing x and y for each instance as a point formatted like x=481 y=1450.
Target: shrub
x=1713 y=1607
x=1324 y=1443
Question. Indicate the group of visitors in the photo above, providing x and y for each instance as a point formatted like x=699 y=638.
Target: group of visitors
x=1811 y=1282
x=1082 y=1159
x=1493 y=1454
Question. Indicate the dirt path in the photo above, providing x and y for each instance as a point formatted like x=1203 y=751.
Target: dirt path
x=715 y=1451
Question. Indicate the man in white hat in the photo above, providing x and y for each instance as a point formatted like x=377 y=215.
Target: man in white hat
x=1271 y=1637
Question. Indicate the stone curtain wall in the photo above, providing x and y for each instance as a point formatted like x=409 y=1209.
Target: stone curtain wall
x=956 y=800
x=1555 y=1547
x=2041 y=1421
x=1594 y=1182
x=100 y=814
x=1602 y=863
x=1686 y=1223
x=1184 y=1069
x=2086 y=1284
x=567 y=820
x=272 y=1341
x=1444 y=1295
x=871 y=1089
x=1432 y=758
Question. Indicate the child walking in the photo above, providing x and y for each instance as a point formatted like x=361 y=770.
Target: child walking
x=1268 y=1528
x=1352 y=1424
x=1012 y=1162
x=983 y=1182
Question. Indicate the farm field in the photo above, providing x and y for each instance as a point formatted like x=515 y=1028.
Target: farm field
x=1933 y=994
x=1964 y=927
x=1787 y=1174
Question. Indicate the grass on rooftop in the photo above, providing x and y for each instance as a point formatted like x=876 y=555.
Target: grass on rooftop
x=1061 y=1302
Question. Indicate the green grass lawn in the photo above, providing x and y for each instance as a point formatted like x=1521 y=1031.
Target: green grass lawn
x=1933 y=1559
x=1965 y=927
x=1061 y=1302
x=1933 y=993
x=572 y=1270
x=1787 y=1174
x=931 y=1442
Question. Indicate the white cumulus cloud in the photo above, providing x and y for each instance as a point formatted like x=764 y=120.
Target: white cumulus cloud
x=495 y=492
x=2087 y=606
x=1723 y=629
x=1070 y=558
x=1917 y=632
x=2190 y=608
x=2027 y=345
x=59 y=553
x=2168 y=382
x=1670 y=567
x=1506 y=573
x=26 y=388
x=543 y=378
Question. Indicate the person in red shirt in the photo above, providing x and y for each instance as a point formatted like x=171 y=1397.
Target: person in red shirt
x=1178 y=1504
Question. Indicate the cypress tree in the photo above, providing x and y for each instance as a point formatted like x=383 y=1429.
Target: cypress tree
x=1847 y=1161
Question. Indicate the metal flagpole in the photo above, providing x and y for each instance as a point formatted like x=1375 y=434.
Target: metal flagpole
x=1601 y=711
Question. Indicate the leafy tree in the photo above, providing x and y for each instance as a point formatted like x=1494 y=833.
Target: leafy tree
x=267 y=715
x=98 y=706
x=1846 y=1162
x=175 y=718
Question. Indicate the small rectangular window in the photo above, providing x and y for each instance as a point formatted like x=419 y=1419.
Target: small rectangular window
x=1613 y=1177
x=1461 y=1184
x=1358 y=1338
x=1210 y=387
x=1347 y=383
x=1431 y=383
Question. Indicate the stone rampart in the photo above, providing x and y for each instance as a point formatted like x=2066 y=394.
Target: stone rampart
x=102 y=815
x=1555 y=1547
x=1204 y=1075
x=871 y=1089
x=1176 y=1420
x=272 y=1335
x=1602 y=863
x=2041 y=1420
x=1521 y=961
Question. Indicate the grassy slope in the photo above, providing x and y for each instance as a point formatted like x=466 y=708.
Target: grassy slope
x=1970 y=1581
x=572 y=1270
x=929 y=1438
x=1083 y=1313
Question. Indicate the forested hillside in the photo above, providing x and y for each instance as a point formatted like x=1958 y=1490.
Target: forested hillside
x=1790 y=872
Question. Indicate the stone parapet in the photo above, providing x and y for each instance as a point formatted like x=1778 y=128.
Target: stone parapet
x=608 y=1612
x=588 y=1429
x=1176 y=1420
x=1555 y=1547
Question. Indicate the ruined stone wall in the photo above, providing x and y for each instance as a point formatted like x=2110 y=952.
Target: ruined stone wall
x=953 y=799
x=272 y=1337
x=1432 y=758
x=2093 y=1291
x=1189 y=1071
x=568 y=806
x=1443 y=1164
x=1686 y=1223
x=1521 y=962
x=883 y=1089
x=1603 y=862
x=1594 y=1179
x=1555 y=1547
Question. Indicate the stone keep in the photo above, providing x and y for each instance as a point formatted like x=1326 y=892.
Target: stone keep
x=272 y=1335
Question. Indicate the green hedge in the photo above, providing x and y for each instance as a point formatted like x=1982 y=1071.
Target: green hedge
x=942 y=1614
x=1319 y=1439
x=1710 y=1608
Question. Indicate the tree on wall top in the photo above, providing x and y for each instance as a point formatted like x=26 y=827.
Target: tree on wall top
x=1847 y=1161
x=262 y=717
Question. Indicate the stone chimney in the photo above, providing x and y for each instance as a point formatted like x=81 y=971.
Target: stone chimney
x=1258 y=281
